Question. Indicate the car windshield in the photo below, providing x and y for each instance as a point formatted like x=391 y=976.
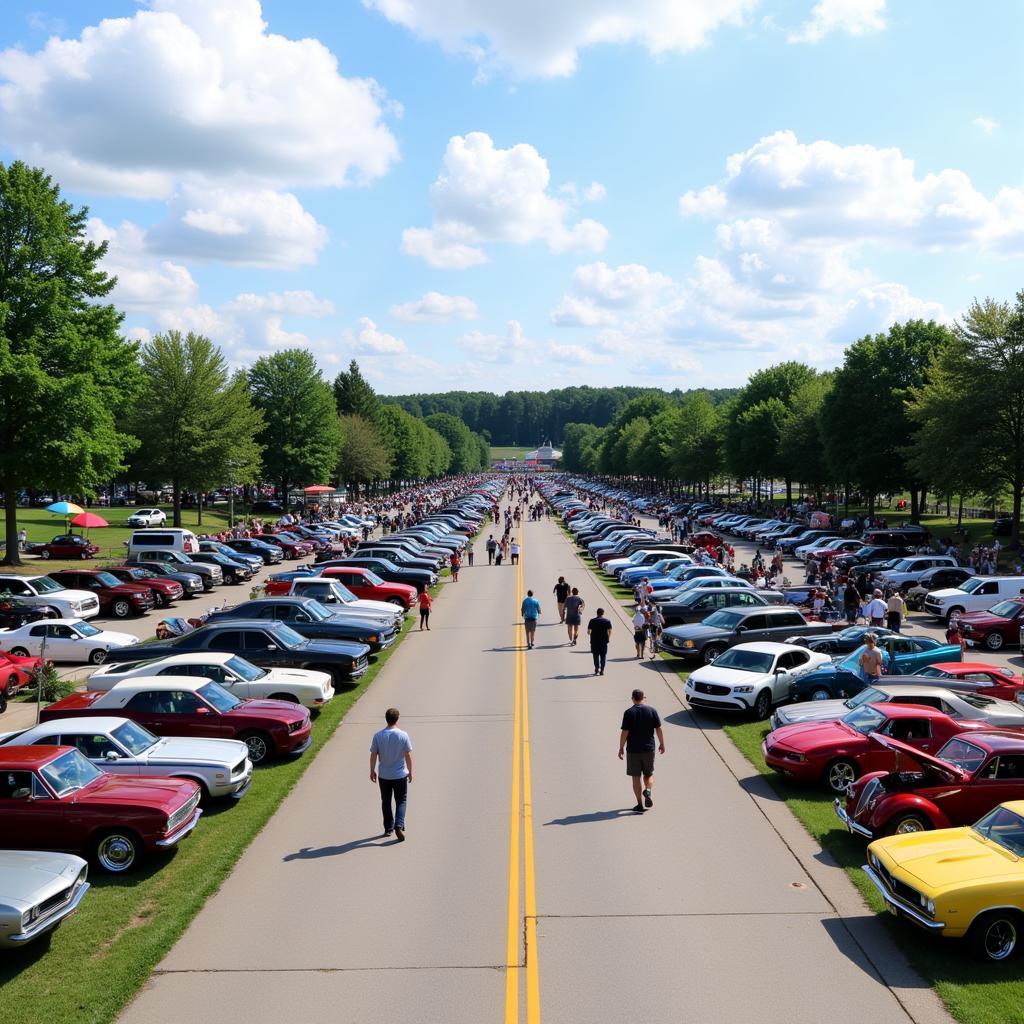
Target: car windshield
x=971 y=585
x=341 y=592
x=70 y=772
x=904 y=566
x=723 y=619
x=287 y=636
x=245 y=669
x=134 y=738
x=745 y=660
x=1005 y=609
x=215 y=694
x=372 y=578
x=963 y=754
x=316 y=611
x=869 y=695
x=86 y=629
x=44 y=585
x=1005 y=828
x=107 y=579
x=864 y=720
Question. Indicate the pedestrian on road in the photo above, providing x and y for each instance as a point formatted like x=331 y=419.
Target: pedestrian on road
x=561 y=592
x=469 y=554
x=492 y=546
x=393 y=749
x=530 y=609
x=639 y=630
x=456 y=563
x=876 y=609
x=515 y=552
x=574 y=606
x=425 y=605
x=896 y=608
x=504 y=548
x=599 y=629
x=851 y=601
x=640 y=723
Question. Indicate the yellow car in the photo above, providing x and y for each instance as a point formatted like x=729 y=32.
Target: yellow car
x=959 y=881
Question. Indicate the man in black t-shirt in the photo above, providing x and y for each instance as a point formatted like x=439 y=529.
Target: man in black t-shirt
x=640 y=723
x=599 y=629
x=561 y=592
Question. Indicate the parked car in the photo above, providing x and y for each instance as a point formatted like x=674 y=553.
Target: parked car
x=366 y=585
x=16 y=672
x=116 y=598
x=990 y=680
x=233 y=570
x=908 y=572
x=943 y=578
x=38 y=890
x=239 y=677
x=216 y=547
x=974 y=595
x=187 y=706
x=995 y=627
x=697 y=604
x=164 y=591
x=271 y=554
x=421 y=579
x=47 y=594
x=960 y=882
x=334 y=595
x=66 y=640
x=66 y=546
x=191 y=583
x=147 y=517
x=54 y=798
x=169 y=538
x=843 y=641
x=14 y=613
x=211 y=575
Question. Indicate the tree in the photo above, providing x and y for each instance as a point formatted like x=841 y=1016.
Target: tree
x=465 y=455
x=194 y=422
x=364 y=457
x=577 y=438
x=353 y=396
x=66 y=374
x=694 y=451
x=301 y=435
x=801 y=445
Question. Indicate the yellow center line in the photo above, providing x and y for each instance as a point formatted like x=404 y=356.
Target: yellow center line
x=512 y=947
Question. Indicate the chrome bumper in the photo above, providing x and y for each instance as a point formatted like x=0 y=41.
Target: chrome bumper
x=851 y=825
x=243 y=789
x=898 y=906
x=183 y=831
x=46 y=923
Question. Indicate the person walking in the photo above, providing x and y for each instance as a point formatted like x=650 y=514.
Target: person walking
x=456 y=563
x=870 y=660
x=530 y=610
x=504 y=547
x=425 y=604
x=574 y=606
x=22 y=538
x=515 y=552
x=851 y=600
x=896 y=608
x=639 y=630
x=640 y=724
x=492 y=547
x=876 y=609
x=655 y=626
x=469 y=554
x=599 y=629
x=391 y=753
x=561 y=592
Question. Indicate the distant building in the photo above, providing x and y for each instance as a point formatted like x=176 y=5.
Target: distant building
x=546 y=455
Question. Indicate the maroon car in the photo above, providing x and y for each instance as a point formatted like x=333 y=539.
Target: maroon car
x=290 y=547
x=54 y=798
x=969 y=776
x=995 y=627
x=116 y=598
x=164 y=590
x=195 y=706
x=67 y=545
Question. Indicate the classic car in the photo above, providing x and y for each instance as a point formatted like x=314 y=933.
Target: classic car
x=989 y=680
x=958 y=882
x=844 y=641
x=66 y=545
x=697 y=604
x=995 y=627
x=840 y=751
x=366 y=585
x=901 y=655
x=123 y=747
x=187 y=706
x=191 y=583
x=387 y=570
x=54 y=798
x=957 y=785
x=234 y=673
x=66 y=640
x=750 y=677
x=48 y=595
x=334 y=595
x=16 y=671
x=116 y=598
x=38 y=890
x=164 y=591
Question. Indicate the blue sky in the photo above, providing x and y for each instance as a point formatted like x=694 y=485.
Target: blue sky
x=486 y=195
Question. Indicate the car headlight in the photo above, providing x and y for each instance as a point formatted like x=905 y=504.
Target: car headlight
x=927 y=905
x=742 y=689
x=372 y=638
x=688 y=643
x=939 y=600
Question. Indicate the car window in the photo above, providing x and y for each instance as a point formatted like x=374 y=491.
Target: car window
x=14 y=587
x=257 y=640
x=908 y=728
x=183 y=702
x=923 y=700
x=149 y=700
x=1010 y=767
x=988 y=588
x=747 y=599
x=788 y=619
x=754 y=622
x=95 y=747
x=227 y=639
x=900 y=645
x=37 y=631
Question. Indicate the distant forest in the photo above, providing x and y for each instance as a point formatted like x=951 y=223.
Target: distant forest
x=530 y=417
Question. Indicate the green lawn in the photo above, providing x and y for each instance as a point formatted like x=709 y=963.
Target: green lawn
x=509 y=452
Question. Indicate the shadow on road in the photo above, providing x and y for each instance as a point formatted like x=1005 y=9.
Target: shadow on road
x=313 y=853
x=580 y=675
x=582 y=819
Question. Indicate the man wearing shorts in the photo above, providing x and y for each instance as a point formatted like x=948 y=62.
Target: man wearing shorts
x=640 y=724
x=574 y=615
x=531 y=612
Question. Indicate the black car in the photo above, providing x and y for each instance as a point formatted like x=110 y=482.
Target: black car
x=310 y=618
x=191 y=583
x=15 y=613
x=267 y=644
x=267 y=508
x=270 y=553
x=871 y=553
x=942 y=577
x=387 y=571
x=846 y=641
x=400 y=555
x=234 y=572
x=697 y=605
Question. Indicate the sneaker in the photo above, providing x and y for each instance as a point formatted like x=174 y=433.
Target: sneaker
x=639 y=809
x=400 y=833
x=648 y=801
x=388 y=832
x=601 y=673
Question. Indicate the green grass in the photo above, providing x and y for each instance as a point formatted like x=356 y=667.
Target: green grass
x=100 y=957
x=509 y=452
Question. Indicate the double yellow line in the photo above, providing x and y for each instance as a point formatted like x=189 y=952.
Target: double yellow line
x=521 y=832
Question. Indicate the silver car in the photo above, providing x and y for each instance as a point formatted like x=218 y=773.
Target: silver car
x=37 y=891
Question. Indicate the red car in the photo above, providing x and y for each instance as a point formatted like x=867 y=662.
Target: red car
x=967 y=778
x=368 y=586
x=16 y=671
x=116 y=598
x=164 y=590
x=291 y=548
x=68 y=545
x=988 y=680
x=193 y=706
x=840 y=751
x=54 y=798
x=995 y=627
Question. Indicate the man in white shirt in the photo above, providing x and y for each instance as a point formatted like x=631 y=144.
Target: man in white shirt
x=876 y=609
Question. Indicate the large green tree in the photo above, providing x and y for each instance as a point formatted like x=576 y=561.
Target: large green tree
x=66 y=374
x=364 y=455
x=465 y=455
x=353 y=395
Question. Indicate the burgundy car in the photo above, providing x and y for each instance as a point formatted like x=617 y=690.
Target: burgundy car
x=54 y=798
x=290 y=547
x=116 y=598
x=969 y=776
x=995 y=627
x=68 y=545
x=194 y=706
x=164 y=590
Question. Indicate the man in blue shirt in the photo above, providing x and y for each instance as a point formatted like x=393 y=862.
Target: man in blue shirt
x=392 y=748
x=531 y=612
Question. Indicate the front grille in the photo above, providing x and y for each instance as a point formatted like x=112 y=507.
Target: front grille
x=50 y=905
x=183 y=813
x=711 y=688
x=90 y=604
x=905 y=892
x=239 y=768
x=866 y=795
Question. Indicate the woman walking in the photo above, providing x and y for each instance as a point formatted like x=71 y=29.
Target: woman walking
x=456 y=563
x=639 y=630
x=424 y=603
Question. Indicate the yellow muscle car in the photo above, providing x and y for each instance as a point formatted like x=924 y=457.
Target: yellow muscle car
x=959 y=881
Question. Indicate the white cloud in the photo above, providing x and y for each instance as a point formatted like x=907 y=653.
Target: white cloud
x=293 y=303
x=512 y=347
x=191 y=90
x=369 y=340
x=436 y=308
x=577 y=355
x=486 y=194
x=599 y=293
x=532 y=39
x=595 y=192
x=854 y=17
x=986 y=124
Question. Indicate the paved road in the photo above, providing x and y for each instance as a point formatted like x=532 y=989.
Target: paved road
x=527 y=890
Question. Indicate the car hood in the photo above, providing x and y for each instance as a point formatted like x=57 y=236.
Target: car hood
x=949 y=772
x=308 y=677
x=282 y=710
x=190 y=750
x=812 y=735
x=165 y=795
x=951 y=857
x=812 y=711
x=697 y=631
x=26 y=874
x=983 y=618
x=727 y=676
x=109 y=637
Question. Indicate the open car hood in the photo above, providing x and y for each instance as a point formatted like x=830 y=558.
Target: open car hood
x=944 y=769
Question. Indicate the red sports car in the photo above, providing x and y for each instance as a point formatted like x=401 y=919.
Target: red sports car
x=988 y=680
x=15 y=672
x=995 y=627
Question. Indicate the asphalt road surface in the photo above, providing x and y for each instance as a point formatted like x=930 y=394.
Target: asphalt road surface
x=527 y=889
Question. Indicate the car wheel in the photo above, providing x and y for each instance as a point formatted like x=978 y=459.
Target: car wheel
x=259 y=744
x=994 y=641
x=117 y=851
x=44 y=553
x=3 y=697
x=396 y=600
x=820 y=693
x=907 y=824
x=711 y=652
x=51 y=613
x=19 y=651
x=290 y=697
x=763 y=705
x=121 y=609
x=839 y=774
x=98 y=656
x=994 y=935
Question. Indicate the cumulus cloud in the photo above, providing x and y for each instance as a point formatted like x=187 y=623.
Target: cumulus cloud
x=854 y=17
x=577 y=355
x=532 y=39
x=599 y=293
x=368 y=339
x=511 y=347
x=436 y=308
x=986 y=124
x=486 y=194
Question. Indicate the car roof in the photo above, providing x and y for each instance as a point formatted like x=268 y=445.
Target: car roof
x=908 y=711
x=190 y=658
x=133 y=683
x=769 y=647
x=774 y=609
x=92 y=723
x=28 y=757
x=970 y=666
x=996 y=740
x=930 y=691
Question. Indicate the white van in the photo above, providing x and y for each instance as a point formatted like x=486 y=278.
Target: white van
x=973 y=595
x=164 y=538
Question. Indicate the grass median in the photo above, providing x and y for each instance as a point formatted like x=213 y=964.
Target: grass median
x=100 y=957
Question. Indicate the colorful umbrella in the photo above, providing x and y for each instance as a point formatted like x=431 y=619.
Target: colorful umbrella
x=89 y=519
x=318 y=489
x=65 y=508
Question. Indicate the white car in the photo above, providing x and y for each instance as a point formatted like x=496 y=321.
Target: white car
x=240 y=677
x=43 y=592
x=37 y=891
x=123 y=747
x=751 y=677
x=147 y=517
x=977 y=594
x=334 y=595
x=66 y=640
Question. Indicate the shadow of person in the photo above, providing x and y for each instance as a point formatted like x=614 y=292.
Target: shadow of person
x=582 y=819
x=313 y=853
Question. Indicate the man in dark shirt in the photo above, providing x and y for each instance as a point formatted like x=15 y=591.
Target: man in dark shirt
x=636 y=743
x=599 y=629
x=561 y=592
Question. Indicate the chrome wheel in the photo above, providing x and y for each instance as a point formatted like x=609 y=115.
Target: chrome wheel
x=840 y=774
x=994 y=641
x=259 y=747
x=993 y=937
x=820 y=694
x=908 y=826
x=117 y=852
x=121 y=609
x=97 y=657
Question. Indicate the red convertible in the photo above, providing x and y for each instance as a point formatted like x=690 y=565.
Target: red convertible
x=54 y=798
x=968 y=777
x=15 y=672
x=840 y=751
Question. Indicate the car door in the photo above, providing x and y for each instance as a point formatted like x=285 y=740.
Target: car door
x=32 y=818
x=786 y=665
x=781 y=625
x=702 y=607
x=192 y=716
x=753 y=627
x=151 y=708
x=64 y=644
x=97 y=746
x=915 y=732
x=999 y=780
x=262 y=649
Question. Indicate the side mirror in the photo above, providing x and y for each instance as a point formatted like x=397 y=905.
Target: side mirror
x=112 y=755
x=202 y=711
x=741 y=628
